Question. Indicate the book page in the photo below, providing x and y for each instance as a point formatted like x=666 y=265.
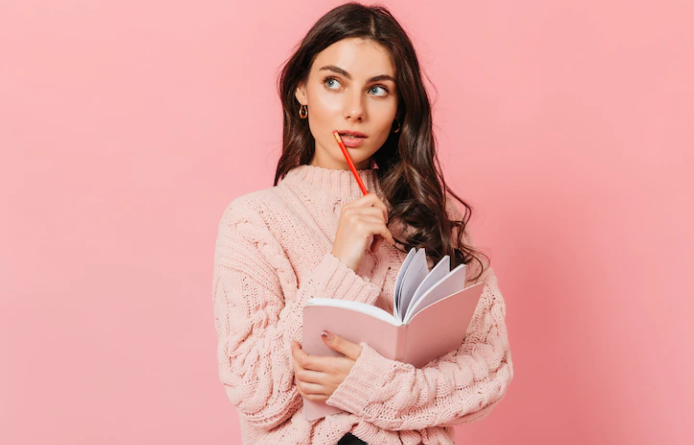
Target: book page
x=358 y=306
x=398 y=283
x=414 y=276
x=448 y=285
x=439 y=271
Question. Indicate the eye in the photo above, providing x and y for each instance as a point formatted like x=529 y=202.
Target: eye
x=381 y=87
x=329 y=79
x=334 y=81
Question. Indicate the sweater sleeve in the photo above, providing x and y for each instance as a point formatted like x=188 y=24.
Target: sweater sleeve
x=254 y=321
x=459 y=387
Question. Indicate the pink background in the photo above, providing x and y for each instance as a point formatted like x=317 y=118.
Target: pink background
x=126 y=127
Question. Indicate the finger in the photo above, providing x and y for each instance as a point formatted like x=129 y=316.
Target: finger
x=385 y=233
x=300 y=356
x=380 y=229
x=371 y=199
x=310 y=376
x=342 y=345
x=295 y=361
x=376 y=202
x=295 y=350
x=296 y=347
x=313 y=391
x=373 y=212
x=378 y=219
x=378 y=240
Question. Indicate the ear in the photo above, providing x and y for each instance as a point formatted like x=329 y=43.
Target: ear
x=300 y=94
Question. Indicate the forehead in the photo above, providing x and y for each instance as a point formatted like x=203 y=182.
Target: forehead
x=361 y=58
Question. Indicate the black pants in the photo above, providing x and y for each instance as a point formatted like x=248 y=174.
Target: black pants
x=351 y=439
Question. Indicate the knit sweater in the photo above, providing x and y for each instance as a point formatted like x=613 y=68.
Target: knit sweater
x=272 y=254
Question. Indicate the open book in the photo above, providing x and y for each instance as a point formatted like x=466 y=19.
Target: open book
x=431 y=314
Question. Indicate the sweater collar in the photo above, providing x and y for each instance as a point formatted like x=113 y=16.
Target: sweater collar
x=335 y=182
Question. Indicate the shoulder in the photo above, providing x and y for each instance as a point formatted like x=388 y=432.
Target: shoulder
x=267 y=213
x=250 y=216
x=247 y=236
x=246 y=208
x=243 y=231
x=259 y=207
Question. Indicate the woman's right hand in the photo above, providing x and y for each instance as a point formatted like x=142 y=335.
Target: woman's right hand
x=362 y=224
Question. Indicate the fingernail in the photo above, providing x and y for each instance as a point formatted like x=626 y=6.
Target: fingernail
x=326 y=335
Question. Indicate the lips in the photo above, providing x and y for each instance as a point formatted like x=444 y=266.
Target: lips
x=353 y=134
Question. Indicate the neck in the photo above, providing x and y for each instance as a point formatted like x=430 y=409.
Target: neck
x=336 y=182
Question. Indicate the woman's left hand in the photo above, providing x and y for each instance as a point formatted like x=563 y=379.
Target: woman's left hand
x=316 y=376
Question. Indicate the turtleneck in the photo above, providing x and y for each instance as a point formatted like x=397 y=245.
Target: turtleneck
x=335 y=182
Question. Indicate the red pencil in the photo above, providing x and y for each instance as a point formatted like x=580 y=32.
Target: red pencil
x=349 y=161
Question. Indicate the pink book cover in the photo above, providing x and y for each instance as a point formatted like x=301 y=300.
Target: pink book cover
x=431 y=316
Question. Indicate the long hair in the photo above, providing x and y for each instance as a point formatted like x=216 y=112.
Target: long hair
x=408 y=169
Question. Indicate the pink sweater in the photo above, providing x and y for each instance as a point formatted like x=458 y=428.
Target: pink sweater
x=272 y=254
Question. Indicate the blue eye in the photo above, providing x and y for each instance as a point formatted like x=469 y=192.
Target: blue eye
x=381 y=87
x=332 y=79
x=328 y=79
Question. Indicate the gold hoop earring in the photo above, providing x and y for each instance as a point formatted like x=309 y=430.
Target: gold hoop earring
x=303 y=111
x=398 y=126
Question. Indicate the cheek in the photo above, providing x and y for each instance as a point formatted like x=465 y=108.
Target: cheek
x=325 y=103
x=384 y=121
x=386 y=109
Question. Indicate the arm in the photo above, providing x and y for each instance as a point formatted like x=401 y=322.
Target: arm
x=459 y=387
x=255 y=323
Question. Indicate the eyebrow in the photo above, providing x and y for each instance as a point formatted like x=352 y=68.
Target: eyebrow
x=339 y=70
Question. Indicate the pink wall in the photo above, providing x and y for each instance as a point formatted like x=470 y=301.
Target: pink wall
x=126 y=127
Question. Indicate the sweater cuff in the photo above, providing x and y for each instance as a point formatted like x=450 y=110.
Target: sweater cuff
x=341 y=282
x=367 y=377
x=331 y=278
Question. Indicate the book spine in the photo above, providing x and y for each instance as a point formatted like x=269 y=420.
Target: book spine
x=400 y=343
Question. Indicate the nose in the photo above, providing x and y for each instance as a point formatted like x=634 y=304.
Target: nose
x=354 y=106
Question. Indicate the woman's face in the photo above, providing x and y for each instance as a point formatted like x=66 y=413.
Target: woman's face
x=351 y=87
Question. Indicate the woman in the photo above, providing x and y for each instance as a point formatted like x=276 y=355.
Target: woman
x=313 y=234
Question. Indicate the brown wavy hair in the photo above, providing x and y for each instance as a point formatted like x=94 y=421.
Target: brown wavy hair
x=408 y=169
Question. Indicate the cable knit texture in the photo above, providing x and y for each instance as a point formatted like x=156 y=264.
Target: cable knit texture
x=272 y=254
